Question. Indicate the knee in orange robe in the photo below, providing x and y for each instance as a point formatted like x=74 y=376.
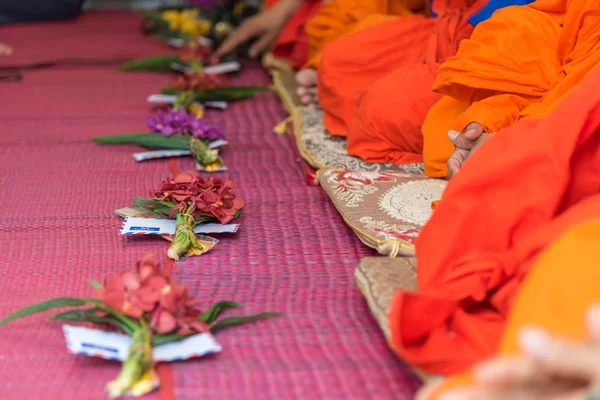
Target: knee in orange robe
x=437 y=147
x=386 y=127
x=338 y=18
x=351 y=64
x=520 y=191
x=552 y=297
x=408 y=42
x=546 y=49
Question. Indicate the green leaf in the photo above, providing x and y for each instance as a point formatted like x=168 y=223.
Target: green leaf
x=170 y=90
x=147 y=140
x=157 y=206
x=158 y=339
x=95 y=284
x=45 y=306
x=90 y=315
x=229 y=94
x=216 y=309
x=151 y=64
x=224 y=323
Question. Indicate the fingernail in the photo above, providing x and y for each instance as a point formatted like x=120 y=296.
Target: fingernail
x=488 y=371
x=455 y=395
x=453 y=134
x=470 y=131
x=593 y=320
x=533 y=341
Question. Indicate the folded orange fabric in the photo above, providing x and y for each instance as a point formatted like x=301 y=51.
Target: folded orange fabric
x=512 y=198
x=517 y=64
x=338 y=18
x=556 y=294
x=394 y=73
x=292 y=42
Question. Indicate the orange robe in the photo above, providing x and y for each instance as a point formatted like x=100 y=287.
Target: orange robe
x=386 y=87
x=337 y=18
x=518 y=64
x=556 y=294
x=514 y=196
x=292 y=42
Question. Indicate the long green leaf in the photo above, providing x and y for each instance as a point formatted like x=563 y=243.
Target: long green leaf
x=147 y=140
x=224 y=323
x=159 y=207
x=90 y=315
x=45 y=306
x=95 y=284
x=229 y=94
x=216 y=309
x=158 y=339
x=151 y=64
x=160 y=25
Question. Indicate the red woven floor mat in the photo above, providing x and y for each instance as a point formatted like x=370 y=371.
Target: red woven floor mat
x=293 y=252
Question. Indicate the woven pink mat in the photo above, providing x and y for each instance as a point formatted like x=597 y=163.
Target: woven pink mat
x=293 y=253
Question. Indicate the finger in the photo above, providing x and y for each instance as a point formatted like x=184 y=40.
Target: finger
x=261 y=44
x=507 y=371
x=312 y=90
x=472 y=394
x=473 y=131
x=455 y=161
x=5 y=50
x=241 y=35
x=301 y=91
x=561 y=358
x=460 y=140
x=593 y=323
x=307 y=99
x=479 y=142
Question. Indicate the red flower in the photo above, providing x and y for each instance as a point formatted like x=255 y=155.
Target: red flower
x=211 y=197
x=198 y=81
x=120 y=292
x=190 y=324
x=194 y=53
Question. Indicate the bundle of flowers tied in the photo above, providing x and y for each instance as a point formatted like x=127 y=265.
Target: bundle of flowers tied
x=206 y=19
x=191 y=200
x=177 y=129
x=149 y=306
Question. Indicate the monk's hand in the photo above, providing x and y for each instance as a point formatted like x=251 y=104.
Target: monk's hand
x=5 y=50
x=264 y=26
x=465 y=144
x=550 y=368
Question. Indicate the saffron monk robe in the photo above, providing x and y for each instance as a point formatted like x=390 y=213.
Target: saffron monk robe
x=339 y=18
x=514 y=197
x=380 y=98
x=518 y=64
x=551 y=344
x=393 y=66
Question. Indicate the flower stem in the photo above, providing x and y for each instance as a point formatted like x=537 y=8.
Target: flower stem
x=185 y=238
x=138 y=368
x=205 y=156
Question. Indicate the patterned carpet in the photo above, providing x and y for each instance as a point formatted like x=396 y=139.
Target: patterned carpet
x=293 y=253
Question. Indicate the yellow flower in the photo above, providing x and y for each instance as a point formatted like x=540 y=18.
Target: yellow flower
x=191 y=14
x=204 y=27
x=173 y=18
x=189 y=27
x=196 y=109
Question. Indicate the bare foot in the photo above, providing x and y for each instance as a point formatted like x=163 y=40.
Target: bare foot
x=5 y=50
x=306 y=79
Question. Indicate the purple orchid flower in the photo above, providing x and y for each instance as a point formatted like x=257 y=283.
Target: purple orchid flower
x=179 y=122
